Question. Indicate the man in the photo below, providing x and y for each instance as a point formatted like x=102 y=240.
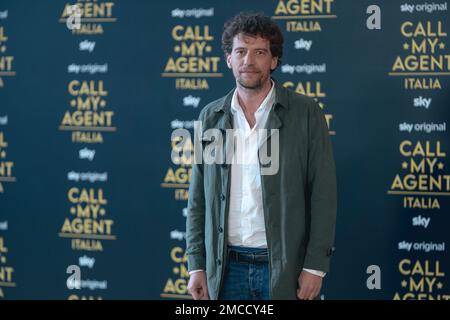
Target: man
x=262 y=236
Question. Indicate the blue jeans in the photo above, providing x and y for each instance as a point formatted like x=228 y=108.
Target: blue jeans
x=244 y=280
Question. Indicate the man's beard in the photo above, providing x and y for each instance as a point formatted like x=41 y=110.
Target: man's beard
x=253 y=84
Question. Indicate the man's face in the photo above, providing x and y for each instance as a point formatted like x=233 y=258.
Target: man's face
x=251 y=61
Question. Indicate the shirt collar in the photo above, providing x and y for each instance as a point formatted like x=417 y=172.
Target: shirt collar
x=267 y=102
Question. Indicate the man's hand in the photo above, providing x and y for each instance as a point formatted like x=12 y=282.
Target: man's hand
x=309 y=286
x=197 y=286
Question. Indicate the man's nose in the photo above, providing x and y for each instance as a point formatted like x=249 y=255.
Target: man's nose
x=248 y=59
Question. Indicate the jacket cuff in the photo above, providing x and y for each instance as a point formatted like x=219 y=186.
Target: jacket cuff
x=196 y=262
x=319 y=261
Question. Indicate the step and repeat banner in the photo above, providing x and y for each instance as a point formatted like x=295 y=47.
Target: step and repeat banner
x=91 y=204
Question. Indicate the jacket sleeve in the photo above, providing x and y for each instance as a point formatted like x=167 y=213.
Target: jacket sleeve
x=321 y=179
x=195 y=221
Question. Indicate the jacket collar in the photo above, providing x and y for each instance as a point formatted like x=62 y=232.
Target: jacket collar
x=281 y=98
x=225 y=117
x=273 y=121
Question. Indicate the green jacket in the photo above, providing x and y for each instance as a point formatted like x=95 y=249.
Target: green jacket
x=299 y=201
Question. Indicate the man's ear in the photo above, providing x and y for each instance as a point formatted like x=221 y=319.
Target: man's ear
x=228 y=60
x=274 y=63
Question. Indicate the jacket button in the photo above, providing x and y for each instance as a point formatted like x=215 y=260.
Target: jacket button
x=222 y=197
x=219 y=262
x=220 y=229
x=331 y=251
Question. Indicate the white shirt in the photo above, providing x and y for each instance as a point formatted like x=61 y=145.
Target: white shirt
x=246 y=213
x=246 y=226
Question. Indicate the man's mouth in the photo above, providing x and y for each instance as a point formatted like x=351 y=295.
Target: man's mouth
x=249 y=71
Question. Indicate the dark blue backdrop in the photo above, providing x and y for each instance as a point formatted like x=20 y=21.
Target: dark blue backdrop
x=134 y=247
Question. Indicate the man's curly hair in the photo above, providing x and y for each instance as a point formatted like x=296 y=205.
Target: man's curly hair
x=253 y=24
